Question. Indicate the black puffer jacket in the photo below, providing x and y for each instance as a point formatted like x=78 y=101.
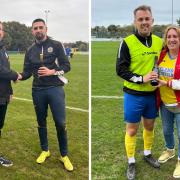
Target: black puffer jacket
x=6 y=75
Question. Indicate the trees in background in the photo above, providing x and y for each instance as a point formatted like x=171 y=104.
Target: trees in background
x=178 y=21
x=112 y=31
x=78 y=45
x=18 y=37
x=117 y=31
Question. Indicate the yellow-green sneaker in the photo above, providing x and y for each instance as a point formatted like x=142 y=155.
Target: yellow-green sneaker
x=42 y=157
x=166 y=155
x=67 y=163
x=176 y=173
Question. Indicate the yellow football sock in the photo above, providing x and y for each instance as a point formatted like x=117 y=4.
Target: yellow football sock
x=148 y=137
x=130 y=144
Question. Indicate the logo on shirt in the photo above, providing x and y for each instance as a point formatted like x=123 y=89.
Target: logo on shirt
x=148 y=53
x=50 y=50
x=167 y=72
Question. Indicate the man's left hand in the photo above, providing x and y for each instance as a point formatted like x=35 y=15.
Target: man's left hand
x=44 y=71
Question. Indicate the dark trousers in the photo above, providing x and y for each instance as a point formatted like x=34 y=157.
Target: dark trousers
x=3 y=109
x=55 y=98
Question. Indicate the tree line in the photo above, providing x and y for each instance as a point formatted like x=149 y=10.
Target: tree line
x=18 y=37
x=79 y=45
x=117 y=31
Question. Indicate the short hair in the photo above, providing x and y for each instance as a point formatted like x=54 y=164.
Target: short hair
x=38 y=20
x=143 y=8
x=176 y=28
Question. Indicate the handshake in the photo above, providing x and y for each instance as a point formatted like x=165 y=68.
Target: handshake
x=19 y=77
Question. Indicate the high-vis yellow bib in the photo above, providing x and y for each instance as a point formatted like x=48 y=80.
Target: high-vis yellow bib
x=142 y=60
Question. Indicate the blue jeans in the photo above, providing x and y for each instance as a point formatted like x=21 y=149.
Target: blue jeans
x=55 y=98
x=168 y=119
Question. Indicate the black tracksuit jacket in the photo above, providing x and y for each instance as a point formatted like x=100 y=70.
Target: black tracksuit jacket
x=54 y=57
x=6 y=75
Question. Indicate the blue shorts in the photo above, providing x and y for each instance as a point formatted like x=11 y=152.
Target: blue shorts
x=136 y=107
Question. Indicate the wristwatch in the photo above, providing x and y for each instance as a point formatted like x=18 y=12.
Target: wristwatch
x=59 y=73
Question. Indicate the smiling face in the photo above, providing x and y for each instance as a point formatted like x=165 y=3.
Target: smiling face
x=173 y=39
x=143 y=22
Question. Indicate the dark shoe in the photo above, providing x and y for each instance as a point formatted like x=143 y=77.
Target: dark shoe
x=151 y=161
x=5 y=162
x=131 y=171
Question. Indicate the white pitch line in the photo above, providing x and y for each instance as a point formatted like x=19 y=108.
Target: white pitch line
x=68 y=107
x=107 y=97
x=77 y=109
x=22 y=99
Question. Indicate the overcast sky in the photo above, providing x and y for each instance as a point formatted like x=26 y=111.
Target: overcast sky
x=120 y=12
x=67 y=19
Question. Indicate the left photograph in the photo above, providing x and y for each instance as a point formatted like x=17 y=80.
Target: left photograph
x=44 y=59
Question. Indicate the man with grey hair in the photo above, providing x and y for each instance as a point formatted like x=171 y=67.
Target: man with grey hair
x=135 y=61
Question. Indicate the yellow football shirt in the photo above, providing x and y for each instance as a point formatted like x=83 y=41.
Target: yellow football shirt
x=166 y=72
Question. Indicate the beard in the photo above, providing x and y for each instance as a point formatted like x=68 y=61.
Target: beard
x=39 y=36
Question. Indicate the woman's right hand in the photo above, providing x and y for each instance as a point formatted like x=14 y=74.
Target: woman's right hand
x=161 y=83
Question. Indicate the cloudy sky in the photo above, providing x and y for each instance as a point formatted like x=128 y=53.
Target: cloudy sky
x=67 y=19
x=120 y=12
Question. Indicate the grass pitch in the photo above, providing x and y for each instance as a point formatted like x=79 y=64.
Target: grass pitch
x=108 y=127
x=20 y=141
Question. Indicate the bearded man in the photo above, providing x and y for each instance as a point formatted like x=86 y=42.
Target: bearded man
x=46 y=60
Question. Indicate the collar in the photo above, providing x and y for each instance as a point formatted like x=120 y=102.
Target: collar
x=40 y=43
x=147 y=41
x=141 y=38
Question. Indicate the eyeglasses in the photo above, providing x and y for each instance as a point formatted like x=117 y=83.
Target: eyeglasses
x=38 y=27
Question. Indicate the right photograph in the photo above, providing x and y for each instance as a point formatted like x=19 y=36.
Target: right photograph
x=135 y=89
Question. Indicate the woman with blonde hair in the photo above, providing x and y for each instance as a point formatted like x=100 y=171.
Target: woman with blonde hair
x=169 y=88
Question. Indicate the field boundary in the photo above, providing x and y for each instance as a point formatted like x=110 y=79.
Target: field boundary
x=108 y=97
x=67 y=107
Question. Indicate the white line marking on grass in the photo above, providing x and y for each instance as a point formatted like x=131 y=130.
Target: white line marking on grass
x=77 y=109
x=68 y=107
x=107 y=97
x=22 y=99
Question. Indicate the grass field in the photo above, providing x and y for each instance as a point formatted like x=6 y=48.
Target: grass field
x=108 y=127
x=20 y=141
